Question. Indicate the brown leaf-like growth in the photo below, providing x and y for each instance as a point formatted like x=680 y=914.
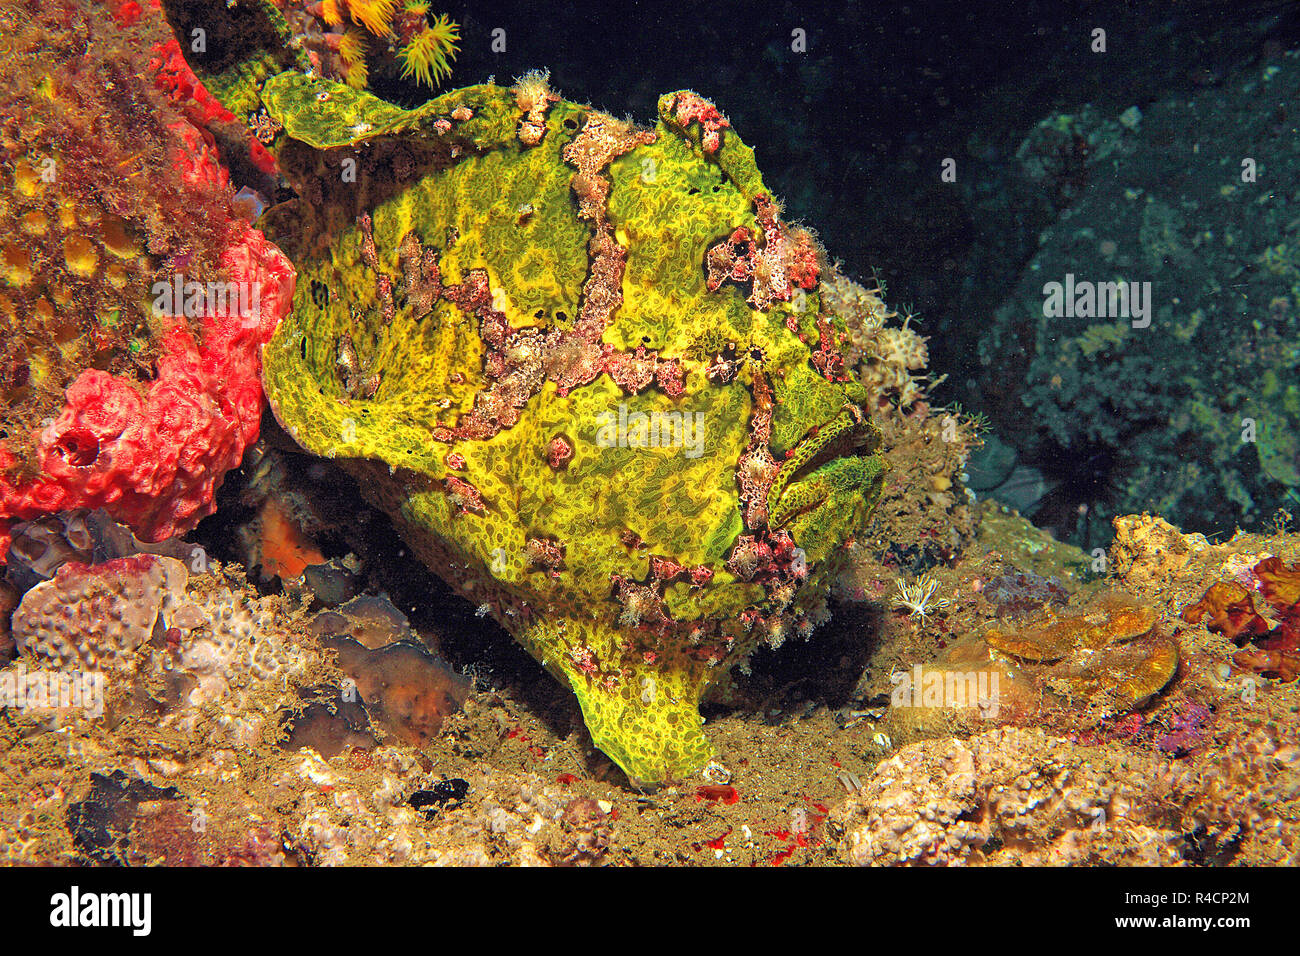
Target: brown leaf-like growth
x=1113 y=650
x=1270 y=651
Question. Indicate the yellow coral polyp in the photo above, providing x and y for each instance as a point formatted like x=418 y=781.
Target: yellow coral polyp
x=18 y=264
x=375 y=15
x=429 y=54
x=26 y=179
x=35 y=223
x=330 y=13
x=352 y=47
x=81 y=257
x=358 y=75
x=116 y=240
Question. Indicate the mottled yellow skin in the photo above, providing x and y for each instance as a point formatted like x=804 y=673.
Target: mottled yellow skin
x=616 y=565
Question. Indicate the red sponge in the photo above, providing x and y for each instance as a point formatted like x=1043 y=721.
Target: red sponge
x=154 y=458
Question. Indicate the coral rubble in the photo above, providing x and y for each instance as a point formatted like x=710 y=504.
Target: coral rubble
x=1025 y=796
